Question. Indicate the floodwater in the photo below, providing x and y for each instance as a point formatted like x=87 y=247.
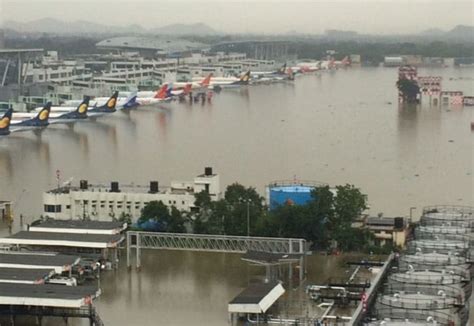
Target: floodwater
x=336 y=127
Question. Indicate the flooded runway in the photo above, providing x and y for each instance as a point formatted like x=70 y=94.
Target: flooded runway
x=337 y=127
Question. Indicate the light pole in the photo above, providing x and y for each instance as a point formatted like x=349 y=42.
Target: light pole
x=248 y=217
x=247 y=201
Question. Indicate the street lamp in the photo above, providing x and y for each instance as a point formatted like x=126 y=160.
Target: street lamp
x=247 y=201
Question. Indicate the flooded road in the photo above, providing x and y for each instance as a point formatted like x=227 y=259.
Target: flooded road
x=337 y=127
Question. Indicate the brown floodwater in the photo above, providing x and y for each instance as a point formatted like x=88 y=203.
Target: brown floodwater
x=337 y=127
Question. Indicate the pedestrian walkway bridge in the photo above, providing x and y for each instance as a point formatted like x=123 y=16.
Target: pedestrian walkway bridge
x=210 y=243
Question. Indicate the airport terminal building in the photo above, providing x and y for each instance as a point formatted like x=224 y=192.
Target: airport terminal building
x=102 y=203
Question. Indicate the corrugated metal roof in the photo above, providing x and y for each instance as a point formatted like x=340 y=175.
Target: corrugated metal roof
x=151 y=43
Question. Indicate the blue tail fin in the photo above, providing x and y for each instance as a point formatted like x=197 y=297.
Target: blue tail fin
x=80 y=112
x=131 y=101
x=5 y=123
x=109 y=106
x=41 y=119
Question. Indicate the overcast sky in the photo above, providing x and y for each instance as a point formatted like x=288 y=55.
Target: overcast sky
x=259 y=16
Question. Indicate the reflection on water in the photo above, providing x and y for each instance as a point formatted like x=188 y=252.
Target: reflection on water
x=340 y=127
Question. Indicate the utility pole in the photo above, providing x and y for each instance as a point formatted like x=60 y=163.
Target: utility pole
x=248 y=217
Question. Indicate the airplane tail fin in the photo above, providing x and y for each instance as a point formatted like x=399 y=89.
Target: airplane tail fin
x=206 y=81
x=5 y=123
x=131 y=101
x=42 y=117
x=244 y=80
x=161 y=94
x=81 y=110
x=109 y=106
x=282 y=70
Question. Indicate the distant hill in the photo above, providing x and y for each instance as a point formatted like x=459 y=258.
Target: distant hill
x=461 y=32
x=458 y=33
x=80 y=27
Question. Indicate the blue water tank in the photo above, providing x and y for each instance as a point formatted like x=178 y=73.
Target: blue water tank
x=291 y=194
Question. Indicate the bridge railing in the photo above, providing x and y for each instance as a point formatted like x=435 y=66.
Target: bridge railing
x=211 y=243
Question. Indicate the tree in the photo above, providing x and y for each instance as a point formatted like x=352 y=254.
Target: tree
x=245 y=206
x=409 y=90
x=228 y=215
x=176 y=223
x=349 y=203
x=167 y=221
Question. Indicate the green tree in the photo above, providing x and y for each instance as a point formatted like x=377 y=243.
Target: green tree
x=349 y=203
x=170 y=221
x=409 y=90
x=245 y=207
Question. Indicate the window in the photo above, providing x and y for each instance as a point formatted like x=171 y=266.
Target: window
x=52 y=208
x=68 y=206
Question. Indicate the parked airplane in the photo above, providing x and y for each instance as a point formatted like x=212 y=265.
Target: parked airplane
x=95 y=111
x=162 y=96
x=282 y=71
x=80 y=113
x=229 y=82
x=195 y=85
x=181 y=92
x=128 y=102
x=29 y=121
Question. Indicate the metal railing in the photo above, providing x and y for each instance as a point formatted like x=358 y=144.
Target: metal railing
x=442 y=317
x=432 y=277
x=407 y=302
x=211 y=243
x=467 y=210
x=296 y=182
x=454 y=291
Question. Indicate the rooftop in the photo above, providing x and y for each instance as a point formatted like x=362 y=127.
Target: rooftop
x=136 y=189
x=49 y=295
x=37 y=260
x=256 y=298
x=24 y=275
x=151 y=43
x=64 y=239
x=76 y=226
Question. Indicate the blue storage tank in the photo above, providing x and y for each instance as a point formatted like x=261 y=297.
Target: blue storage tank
x=290 y=192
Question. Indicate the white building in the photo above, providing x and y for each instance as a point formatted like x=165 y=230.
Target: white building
x=102 y=203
